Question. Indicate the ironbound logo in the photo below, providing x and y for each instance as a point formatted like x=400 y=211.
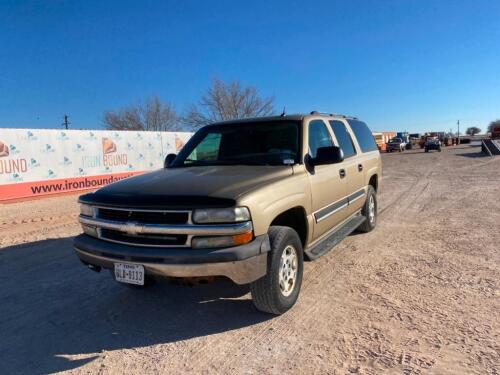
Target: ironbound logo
x=178 y=143
x=110 y=156
x=7 y=166
x=4 y=149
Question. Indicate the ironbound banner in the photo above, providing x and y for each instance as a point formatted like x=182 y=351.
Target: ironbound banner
x=36 y=162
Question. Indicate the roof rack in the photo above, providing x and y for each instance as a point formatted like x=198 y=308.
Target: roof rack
x=332 y=114
x=321 y=113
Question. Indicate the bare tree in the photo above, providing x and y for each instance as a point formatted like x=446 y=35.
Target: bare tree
x=228 y=101
x=473 y=130
x=153 y=115
x=492 y=125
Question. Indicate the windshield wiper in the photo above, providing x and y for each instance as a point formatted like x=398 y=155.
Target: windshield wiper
x=198 y=163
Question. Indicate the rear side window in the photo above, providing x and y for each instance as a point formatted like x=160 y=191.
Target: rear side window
x=363 y=135
x=344 y=138
x=318 y=137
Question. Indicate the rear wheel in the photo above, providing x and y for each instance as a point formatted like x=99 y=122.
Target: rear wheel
x=278 y=290
x=369 y=211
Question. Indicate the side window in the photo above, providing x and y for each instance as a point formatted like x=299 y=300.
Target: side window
x=318 y=137
x=344 y=138
x=363 y=135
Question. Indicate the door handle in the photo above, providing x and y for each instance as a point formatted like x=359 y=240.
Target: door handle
x=342 y=173
x=360 y=167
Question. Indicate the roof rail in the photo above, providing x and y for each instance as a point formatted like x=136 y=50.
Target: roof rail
x=332 y=114
x=320 y=113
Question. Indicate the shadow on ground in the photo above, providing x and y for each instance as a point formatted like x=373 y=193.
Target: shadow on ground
x=474 y=155
x=53 y=307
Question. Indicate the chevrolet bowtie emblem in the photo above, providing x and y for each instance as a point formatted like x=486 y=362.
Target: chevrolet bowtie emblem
x=131 y=228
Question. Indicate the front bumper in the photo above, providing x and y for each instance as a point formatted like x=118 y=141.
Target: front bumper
x=394 y=147
x=242 y=264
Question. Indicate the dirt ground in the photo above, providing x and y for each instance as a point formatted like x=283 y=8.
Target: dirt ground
x=418 y=295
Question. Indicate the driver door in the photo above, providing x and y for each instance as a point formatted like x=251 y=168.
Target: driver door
x=328 y=183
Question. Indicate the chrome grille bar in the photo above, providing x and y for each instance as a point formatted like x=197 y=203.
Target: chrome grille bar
x=188 y=229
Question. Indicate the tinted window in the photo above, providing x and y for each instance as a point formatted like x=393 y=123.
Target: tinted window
x=344 y=138
x=266 y=143
x=318 y=137
x=363 y=135
x=207 y=149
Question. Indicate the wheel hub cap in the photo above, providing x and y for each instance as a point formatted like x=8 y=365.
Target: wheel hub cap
x=288 y=270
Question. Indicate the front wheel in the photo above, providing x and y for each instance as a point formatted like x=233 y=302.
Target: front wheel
x=369 y=211
x=278 y=290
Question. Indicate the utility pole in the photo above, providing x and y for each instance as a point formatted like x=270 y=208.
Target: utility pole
x=458 y=132
x=66 y=122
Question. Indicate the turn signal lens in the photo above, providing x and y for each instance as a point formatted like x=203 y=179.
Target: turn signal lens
x=221 y=241
x=243 y=238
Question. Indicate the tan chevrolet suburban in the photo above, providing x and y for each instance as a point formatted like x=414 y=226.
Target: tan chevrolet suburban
x=248 y=199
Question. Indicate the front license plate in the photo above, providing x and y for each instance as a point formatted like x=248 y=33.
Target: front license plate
x=129 y=273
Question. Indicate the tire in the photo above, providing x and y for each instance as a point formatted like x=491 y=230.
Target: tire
x=439 y=149
x=426 y=150
x=267 y=293
x=371 y=221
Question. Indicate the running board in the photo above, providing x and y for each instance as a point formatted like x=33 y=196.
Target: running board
x=333 y=239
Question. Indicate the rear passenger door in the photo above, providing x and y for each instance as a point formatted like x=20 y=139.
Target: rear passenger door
x=328 y=187
x=354 y=169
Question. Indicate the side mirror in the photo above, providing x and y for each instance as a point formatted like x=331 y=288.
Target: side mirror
x=328 y=155
x=168 y=160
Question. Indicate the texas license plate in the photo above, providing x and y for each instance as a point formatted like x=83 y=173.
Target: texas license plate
x=129 y=273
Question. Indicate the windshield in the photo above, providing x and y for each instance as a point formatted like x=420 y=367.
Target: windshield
x=396 y=140
x=258 y=143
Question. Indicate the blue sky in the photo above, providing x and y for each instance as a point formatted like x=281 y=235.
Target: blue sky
x=414 y=65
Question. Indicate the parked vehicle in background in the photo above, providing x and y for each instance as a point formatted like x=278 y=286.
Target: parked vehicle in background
x=432 y=144
x=495 y=132
x=405 y=136
x=395 y=144
x=414 y=139
x=246 y=199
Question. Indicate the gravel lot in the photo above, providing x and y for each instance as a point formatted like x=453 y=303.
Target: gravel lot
x=418 y=295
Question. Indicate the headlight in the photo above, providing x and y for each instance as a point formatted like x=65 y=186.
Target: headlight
x=221 y=241
x=221 y=215
x=86 y=210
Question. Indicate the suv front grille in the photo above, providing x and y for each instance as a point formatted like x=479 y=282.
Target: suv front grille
x=143 y=240
x=144 y=217
x=141 y=216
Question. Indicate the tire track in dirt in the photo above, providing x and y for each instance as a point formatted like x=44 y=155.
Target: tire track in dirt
x=47 y=219
x=313 y=282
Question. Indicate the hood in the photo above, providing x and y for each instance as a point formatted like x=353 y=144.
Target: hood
x=206 y=186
